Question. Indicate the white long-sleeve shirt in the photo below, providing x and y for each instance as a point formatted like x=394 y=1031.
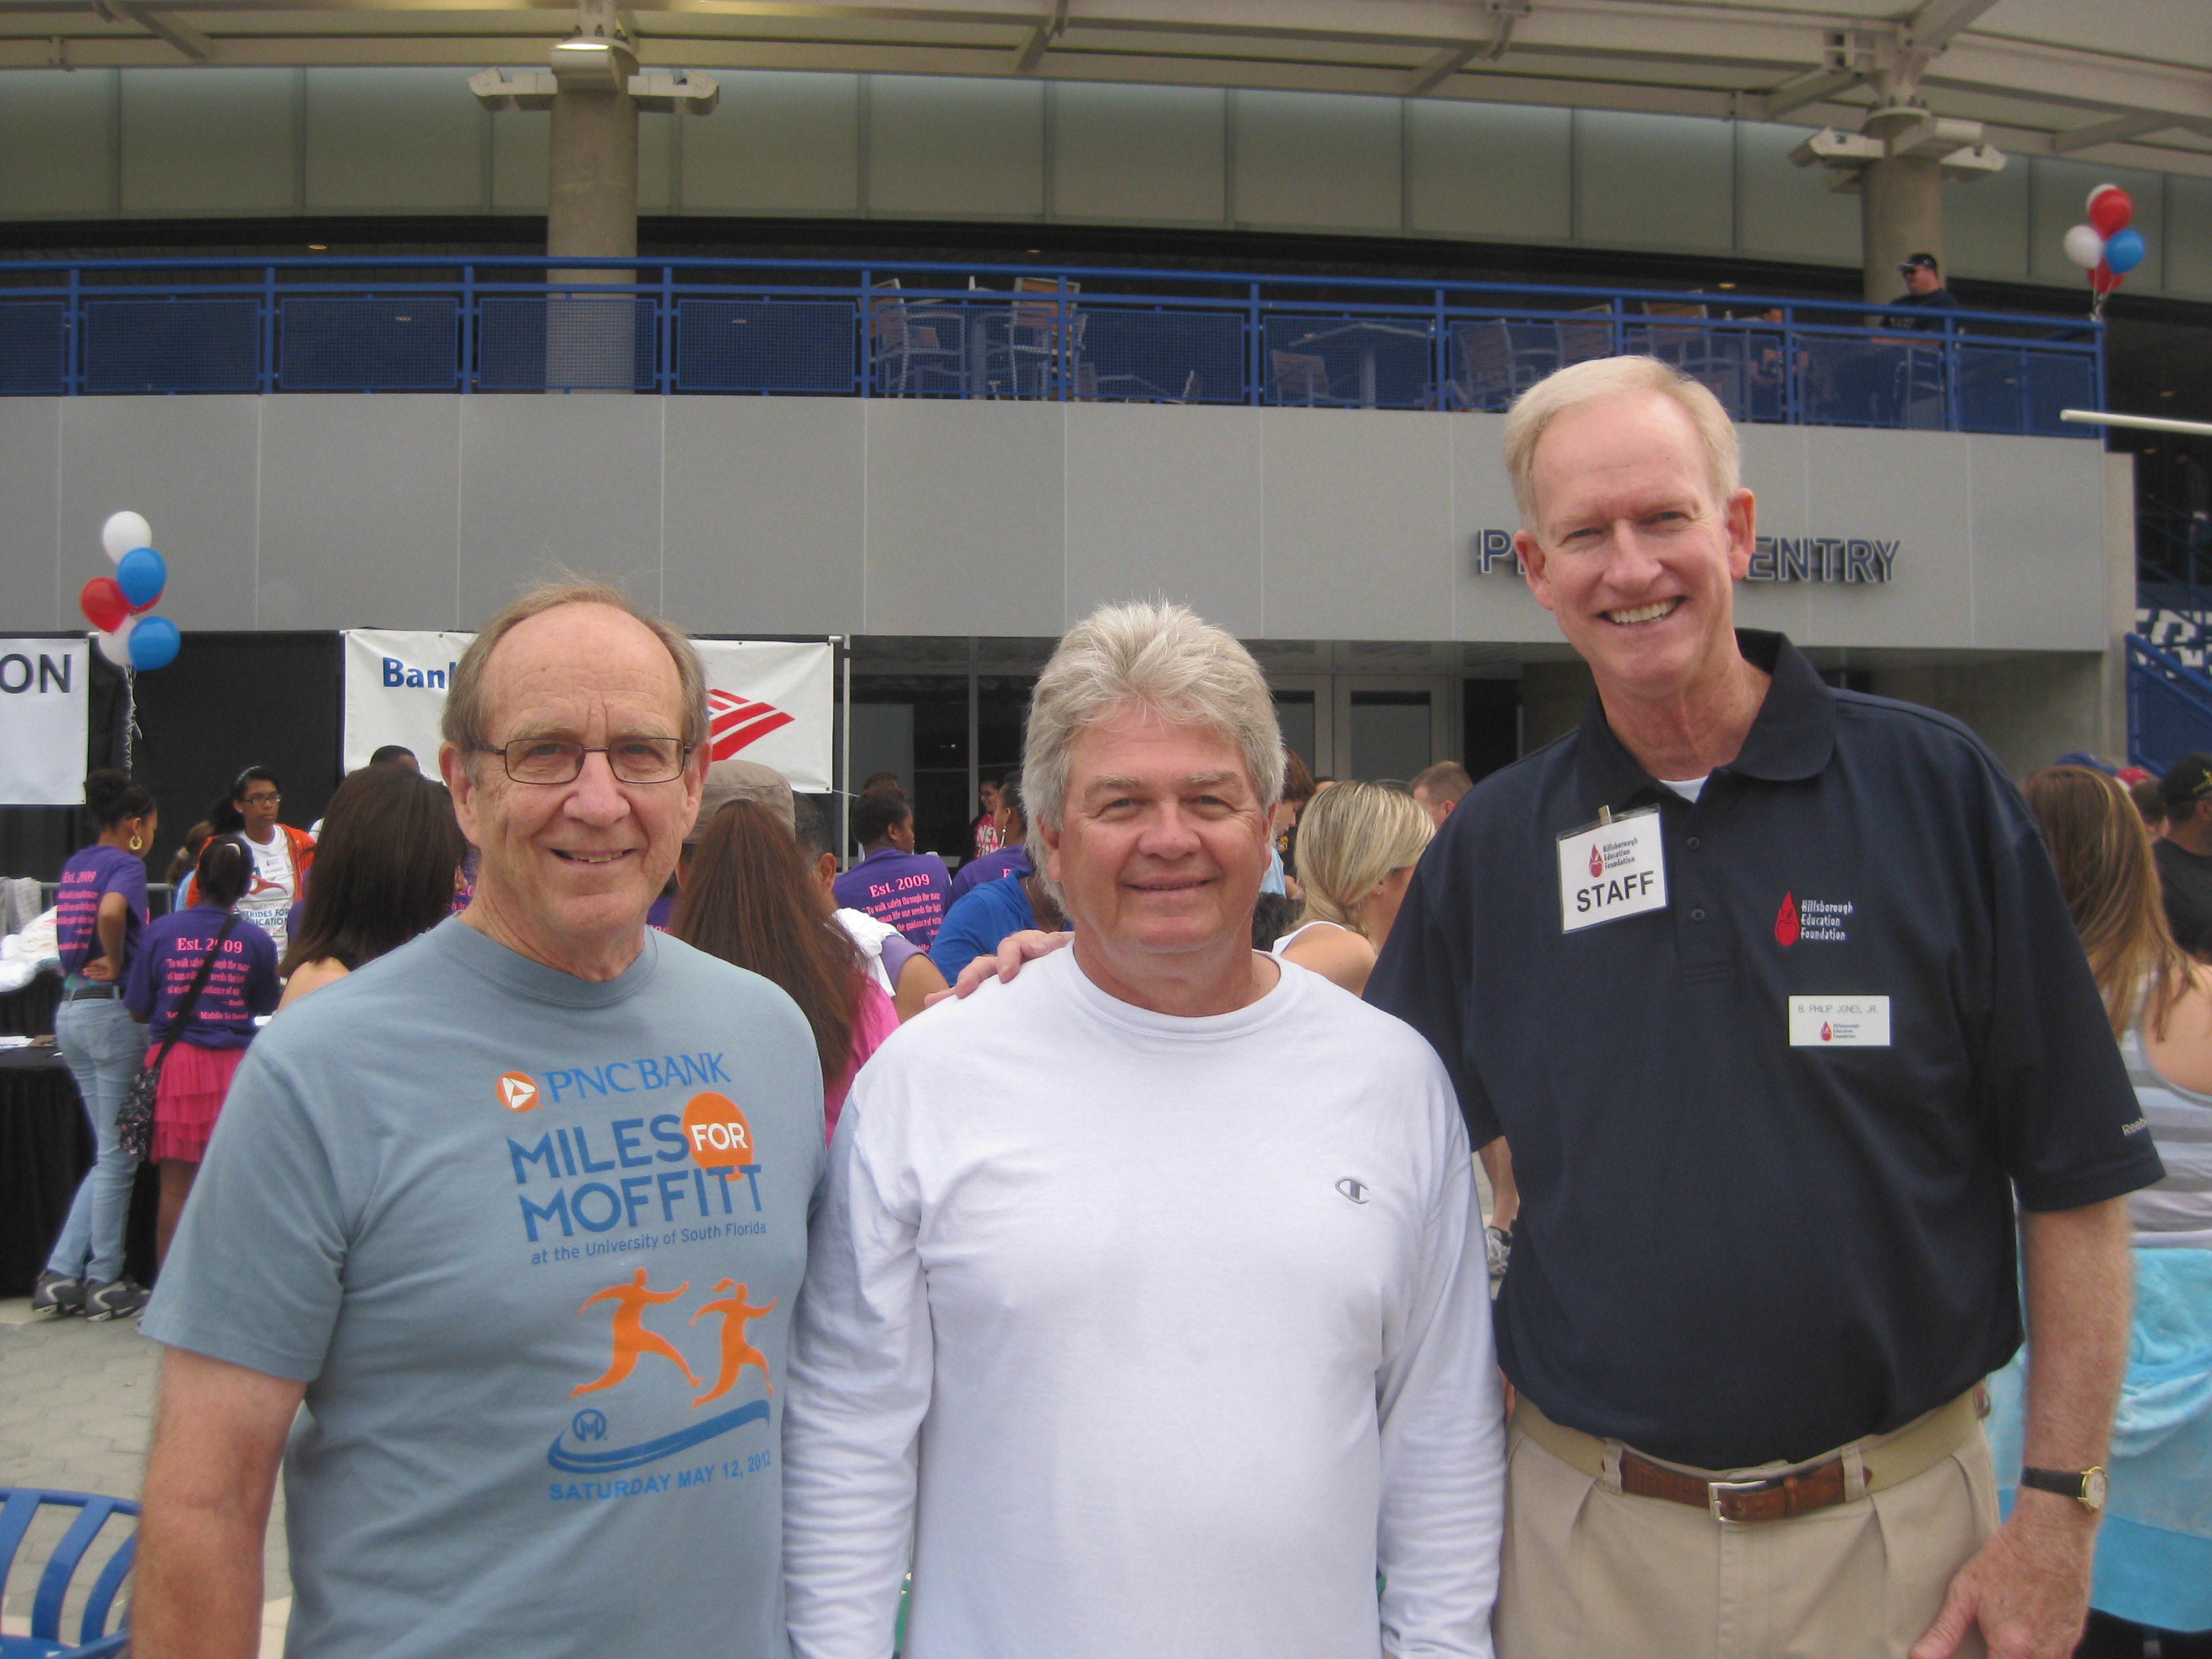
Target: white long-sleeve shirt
x=1148 y=1337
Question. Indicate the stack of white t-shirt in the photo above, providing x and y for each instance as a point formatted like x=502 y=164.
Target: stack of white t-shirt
x=1146 y=1336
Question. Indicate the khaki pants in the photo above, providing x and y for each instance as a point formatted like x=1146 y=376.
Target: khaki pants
x=1590 y=1573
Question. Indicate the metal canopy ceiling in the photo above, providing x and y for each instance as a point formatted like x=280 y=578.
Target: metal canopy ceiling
x=2124 y=82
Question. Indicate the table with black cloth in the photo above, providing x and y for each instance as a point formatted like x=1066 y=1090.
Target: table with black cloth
x=45 y=1147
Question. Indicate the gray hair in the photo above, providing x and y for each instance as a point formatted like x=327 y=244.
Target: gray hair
x=463 y=722
x=1600 y=378
x=1159 y=656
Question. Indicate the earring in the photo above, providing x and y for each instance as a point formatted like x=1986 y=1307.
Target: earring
x=137 y=844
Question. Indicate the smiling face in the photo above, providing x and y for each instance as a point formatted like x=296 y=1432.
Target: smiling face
x=1159 y=854
x=1633 y=550
x=567 y=871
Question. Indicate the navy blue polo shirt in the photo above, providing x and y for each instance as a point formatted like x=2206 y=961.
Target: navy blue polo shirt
x=1732 y=1250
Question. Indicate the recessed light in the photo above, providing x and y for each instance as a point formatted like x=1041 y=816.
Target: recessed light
x=2168 y=392
x=319 y=247
x=1728 y=284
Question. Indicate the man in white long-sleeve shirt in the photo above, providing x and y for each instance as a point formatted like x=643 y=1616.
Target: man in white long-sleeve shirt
x=1143 y=1311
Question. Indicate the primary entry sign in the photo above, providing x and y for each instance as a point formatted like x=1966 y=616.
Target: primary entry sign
x=770 y=702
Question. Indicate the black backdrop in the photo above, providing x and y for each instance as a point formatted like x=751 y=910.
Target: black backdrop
x=228 y=701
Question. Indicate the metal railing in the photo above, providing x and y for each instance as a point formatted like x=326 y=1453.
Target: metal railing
x=2169 y=707
x=776 y=327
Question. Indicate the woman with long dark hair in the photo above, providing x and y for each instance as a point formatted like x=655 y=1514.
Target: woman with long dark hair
x=101 y=913
x=212 y=1036
x=385 y=872
x=2154 y=1566
x=746 y=899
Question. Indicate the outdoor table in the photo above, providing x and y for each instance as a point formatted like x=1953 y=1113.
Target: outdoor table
x=1370 y=340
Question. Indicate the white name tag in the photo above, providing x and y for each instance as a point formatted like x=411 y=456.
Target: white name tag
x=1608 y=871
x=1839 y=1022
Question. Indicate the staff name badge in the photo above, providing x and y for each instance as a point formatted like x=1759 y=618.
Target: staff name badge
x=1613 y=868
x=1839 y=1022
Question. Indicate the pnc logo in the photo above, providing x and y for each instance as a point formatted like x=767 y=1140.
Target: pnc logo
x=736 y=721
x=1597 y=863
x=1785 y=922
x=717 y=1133
x=518 y=1090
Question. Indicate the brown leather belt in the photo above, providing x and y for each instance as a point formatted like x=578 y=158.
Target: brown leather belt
x=1760 y=1495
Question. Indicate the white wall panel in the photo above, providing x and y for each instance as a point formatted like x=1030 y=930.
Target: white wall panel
x=32 y=592
x=1661 y=181
x=2188 y=236
x=1358 y=524
x=521 y=144
x=776 y=144
x=1785 y=211
x=1499 y=170
x=210 y=140
x=57 y=142
x=1316 y=159
x=393 y=139
x=1986 y=223
x=956 y=147
x=1141 y=153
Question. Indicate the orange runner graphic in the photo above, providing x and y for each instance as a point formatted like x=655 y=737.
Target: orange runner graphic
x=737 y=1353
x=631 y=1337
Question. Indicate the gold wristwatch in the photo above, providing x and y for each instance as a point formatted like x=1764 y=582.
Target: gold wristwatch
x=2085 y=1487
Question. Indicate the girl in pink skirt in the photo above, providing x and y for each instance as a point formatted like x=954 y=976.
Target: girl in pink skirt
x=196 y=1076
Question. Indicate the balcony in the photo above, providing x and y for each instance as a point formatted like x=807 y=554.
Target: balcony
x=779 y=328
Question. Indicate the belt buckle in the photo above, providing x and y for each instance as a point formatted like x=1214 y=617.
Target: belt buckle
x=1717 y=1491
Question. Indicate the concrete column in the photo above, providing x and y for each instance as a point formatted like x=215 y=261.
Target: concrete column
x=1900 y=208
x=591 y=205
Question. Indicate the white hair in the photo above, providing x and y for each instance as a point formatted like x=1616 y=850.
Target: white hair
x=1591 y=382
x=1156 y=656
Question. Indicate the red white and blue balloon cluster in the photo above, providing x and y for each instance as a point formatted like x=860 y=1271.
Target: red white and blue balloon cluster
x=116 y=605
x=2105 y=248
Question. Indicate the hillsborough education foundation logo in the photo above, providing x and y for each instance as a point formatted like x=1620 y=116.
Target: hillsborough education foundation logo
x=737 y=721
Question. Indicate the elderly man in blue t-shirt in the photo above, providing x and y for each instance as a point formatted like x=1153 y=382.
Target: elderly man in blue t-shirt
x=517 y=1211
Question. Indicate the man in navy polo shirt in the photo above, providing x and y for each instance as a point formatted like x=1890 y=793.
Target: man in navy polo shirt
x=1772 y=991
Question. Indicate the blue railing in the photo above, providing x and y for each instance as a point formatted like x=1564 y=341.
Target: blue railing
x=790 y=327
x=2169 y=707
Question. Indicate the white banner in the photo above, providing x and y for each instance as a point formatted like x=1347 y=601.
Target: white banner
x=45 y=699
x=772 y=703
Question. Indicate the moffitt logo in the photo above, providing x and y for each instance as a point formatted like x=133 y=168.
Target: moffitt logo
x=737 y=721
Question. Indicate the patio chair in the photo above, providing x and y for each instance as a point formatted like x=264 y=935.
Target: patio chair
x=1297 y=377
x=908 y=352
x=1033 y=326
x=18 y=1508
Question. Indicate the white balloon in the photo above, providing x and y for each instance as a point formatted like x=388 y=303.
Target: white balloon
x=123 y=531
x=116 y=646
x=2084 y=246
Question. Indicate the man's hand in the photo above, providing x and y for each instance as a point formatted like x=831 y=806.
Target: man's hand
x=2028 y=1587
x=100 y=970
x=1014 y=949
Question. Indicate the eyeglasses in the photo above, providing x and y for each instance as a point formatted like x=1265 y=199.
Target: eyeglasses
x=561 y=760
x=261 y=800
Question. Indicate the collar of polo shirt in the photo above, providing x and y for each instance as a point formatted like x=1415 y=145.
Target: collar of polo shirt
x=1790 y=738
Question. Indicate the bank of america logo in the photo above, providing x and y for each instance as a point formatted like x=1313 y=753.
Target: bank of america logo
x=736 y=721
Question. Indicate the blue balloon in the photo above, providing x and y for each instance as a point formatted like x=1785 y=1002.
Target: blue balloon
x=2123 y=251
x=142 y=574
x=154 y=642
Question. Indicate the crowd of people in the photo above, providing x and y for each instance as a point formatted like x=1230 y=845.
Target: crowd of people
x=1089 y=1239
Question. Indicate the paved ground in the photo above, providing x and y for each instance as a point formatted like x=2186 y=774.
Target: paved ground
x=76 y=1402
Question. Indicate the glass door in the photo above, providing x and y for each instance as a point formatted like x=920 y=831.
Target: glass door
x=1388 y=730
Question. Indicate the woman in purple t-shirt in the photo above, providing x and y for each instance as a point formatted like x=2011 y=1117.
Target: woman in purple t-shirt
x=196 y=1076
x=101 y=908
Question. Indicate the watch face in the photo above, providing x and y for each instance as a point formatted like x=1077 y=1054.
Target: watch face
x=2093 y=1489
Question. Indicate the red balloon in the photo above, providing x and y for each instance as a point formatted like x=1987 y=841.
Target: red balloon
x=2104 y=279
x=103 y=603
x=2109 y=210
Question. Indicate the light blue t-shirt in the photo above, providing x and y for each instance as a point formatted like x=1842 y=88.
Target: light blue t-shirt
x=533 y=1243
